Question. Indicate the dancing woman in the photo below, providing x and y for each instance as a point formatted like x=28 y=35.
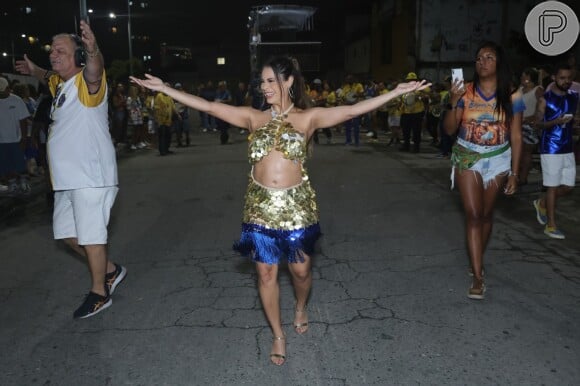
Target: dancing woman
x=280 y=219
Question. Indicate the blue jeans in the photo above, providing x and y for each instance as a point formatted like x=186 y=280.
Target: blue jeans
x=181 y=127
x=208 y=121
x=352 y=126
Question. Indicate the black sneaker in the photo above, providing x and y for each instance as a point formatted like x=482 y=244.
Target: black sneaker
x=92 y=305
x=113 y=279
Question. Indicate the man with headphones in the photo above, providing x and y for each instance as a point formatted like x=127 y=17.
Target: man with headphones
x=81 y=157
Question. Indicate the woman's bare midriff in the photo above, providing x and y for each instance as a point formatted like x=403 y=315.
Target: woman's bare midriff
x=275 y=171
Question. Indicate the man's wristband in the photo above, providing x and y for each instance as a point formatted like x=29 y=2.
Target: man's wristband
x=94 y=53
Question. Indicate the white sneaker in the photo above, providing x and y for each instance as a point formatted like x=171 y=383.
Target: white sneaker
x=370 y=134
x=3 y=188
x=25 y=187
x=133 y=147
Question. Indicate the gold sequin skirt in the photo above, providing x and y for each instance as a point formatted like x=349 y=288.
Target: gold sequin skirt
x=289 y=208
x=279 y=224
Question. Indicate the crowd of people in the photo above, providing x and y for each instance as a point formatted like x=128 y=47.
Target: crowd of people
x=23 y=133
x=402 y=121
x=141 y=119
x=488 y=127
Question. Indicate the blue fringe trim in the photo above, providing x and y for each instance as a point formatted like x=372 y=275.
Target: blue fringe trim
x=270 y=246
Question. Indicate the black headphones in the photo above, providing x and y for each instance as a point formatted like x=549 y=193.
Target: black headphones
x=80 y=56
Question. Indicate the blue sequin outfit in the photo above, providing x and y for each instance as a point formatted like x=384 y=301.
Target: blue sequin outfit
x=558 y=139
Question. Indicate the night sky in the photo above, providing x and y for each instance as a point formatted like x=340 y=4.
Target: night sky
x=221 y=23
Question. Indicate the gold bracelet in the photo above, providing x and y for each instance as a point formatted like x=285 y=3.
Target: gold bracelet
x=93 y=54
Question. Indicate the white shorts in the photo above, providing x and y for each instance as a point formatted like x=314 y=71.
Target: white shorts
x=83 y=214
x=558 y=169
x=394 y=120
x=488 y=168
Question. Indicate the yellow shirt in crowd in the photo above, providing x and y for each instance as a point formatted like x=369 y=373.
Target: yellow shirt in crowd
x=164 y=108
x=350 y=93
x=413 y=102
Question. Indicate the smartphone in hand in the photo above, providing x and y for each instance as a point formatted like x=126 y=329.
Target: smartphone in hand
x=568 y=117
x=457 y=75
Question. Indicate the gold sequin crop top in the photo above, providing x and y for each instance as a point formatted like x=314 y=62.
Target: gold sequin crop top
x=279 y=135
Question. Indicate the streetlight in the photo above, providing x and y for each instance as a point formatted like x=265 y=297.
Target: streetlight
x=112 y=15
x=129 y=33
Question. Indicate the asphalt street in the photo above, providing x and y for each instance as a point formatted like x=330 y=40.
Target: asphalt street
x=388 y=306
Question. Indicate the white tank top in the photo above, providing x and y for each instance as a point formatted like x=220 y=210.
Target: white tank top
x=80 y=149
x=530 y=101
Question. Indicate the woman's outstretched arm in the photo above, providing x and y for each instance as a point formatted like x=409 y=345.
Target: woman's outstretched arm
x=240 y=116
x=328 y=117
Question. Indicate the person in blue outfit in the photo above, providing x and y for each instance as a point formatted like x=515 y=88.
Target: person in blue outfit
x=280 y=220
x=554 y=114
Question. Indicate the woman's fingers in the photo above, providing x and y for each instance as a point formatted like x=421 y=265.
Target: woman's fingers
x=510 y=188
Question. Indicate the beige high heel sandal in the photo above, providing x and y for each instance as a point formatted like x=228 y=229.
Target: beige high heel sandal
x=477 y=293
x=278 y=356
x=298 y=326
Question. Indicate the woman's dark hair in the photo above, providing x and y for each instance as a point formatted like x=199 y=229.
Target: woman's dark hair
x=284 y=67
x=532 y=73
x=504 y=88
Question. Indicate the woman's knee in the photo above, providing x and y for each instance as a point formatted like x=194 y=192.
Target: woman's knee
x=301 y=271
x=302 y=274
x=267 y=274
x=478 y=218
